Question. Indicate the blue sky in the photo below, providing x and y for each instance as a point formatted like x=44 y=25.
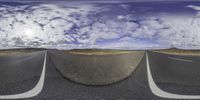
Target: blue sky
x=110 y=25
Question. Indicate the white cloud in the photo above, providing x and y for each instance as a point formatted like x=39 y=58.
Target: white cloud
x=44 y=24
x=80 y=26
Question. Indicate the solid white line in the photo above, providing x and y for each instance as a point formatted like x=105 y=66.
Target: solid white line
x=33 y=92
x=178 y=59
x=160 y=93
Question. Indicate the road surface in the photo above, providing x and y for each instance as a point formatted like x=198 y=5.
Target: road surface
x=96 y=69
x=33 y=76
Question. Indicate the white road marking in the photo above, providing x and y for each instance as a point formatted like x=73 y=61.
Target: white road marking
x=160 y=93
x=178 y=59
x=33 y=92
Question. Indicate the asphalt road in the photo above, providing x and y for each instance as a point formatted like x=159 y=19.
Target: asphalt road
x=96 y=69
x=34 y=76
x=173 y=76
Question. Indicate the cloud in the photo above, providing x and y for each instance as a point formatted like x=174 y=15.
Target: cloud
x=42 y=24
x=94 y=26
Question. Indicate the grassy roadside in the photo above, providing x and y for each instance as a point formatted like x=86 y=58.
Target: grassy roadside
x=179 y=52
x=5 y=52
x=74 y=51
x=100 y=51
x=97 y=51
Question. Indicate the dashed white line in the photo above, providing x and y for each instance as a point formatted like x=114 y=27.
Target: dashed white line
x=178 y=59
x=33 y=92
x=160 y=93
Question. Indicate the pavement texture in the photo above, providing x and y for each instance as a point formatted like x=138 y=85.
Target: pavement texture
x=96 y=69
x=18 y=73
x=176 y=74
x=171 y=73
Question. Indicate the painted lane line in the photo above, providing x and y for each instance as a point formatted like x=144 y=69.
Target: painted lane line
x=160 y=93
x=33 y=92
x=178 y=59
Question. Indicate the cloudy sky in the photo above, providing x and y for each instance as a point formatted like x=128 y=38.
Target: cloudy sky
x=114 y=25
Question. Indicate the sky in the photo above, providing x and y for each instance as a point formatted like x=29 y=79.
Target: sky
x=110 y=25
